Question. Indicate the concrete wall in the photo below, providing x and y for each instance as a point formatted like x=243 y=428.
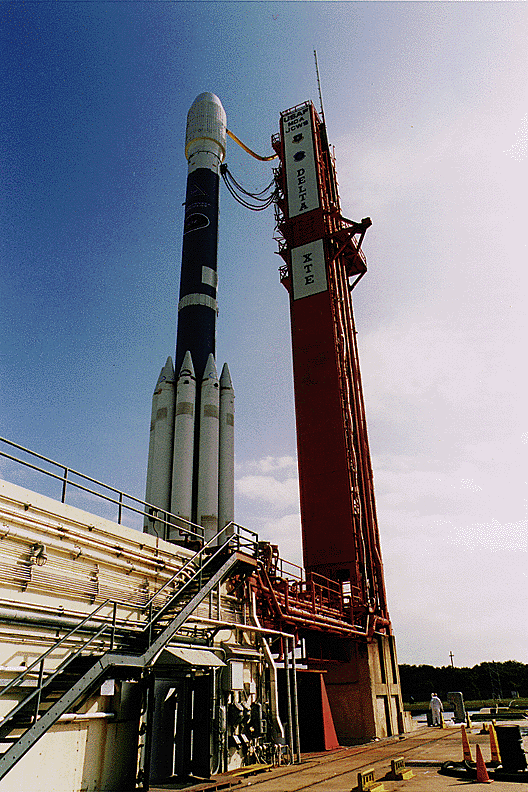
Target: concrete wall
x=364 y=692
x=94 y=749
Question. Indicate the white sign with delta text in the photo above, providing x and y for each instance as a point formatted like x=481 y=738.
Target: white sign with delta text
x=299 y=155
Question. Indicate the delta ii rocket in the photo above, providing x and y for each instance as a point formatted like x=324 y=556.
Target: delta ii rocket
x=190 y=471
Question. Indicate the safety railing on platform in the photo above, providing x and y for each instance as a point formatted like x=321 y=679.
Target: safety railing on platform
x=231 y=538
x=124 y=502
x=309 y=591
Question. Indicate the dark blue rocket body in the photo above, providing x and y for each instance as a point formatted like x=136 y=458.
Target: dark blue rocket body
x=197 y=307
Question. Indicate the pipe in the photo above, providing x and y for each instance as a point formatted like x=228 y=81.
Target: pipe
x=248 y=150
x=277 y=727
x=286 y=644
x=68 y=546
x=76 y=716
x=234 y=625
x=310 y=618
x=295 y=705
x=64 y=622
x=111 y=546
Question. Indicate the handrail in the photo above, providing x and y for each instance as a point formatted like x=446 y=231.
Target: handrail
x=108 y=625
x=303 y=586
x=64 y=638
x=148 y=510
x=200 y=553
x=42 y=683
x=203 y=553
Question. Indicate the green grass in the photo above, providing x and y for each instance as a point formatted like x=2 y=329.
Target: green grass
x=423 y=706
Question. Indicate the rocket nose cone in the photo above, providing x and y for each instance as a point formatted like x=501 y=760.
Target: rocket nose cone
x=210 y=372
x=207 y=97
x=225 y=378
x=166 y=374
x=187 y=369
x=206 y=127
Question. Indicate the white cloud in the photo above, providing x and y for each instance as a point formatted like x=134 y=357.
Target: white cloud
x=271 y=481
x=286 y=533
x=414 y=359
x=267 y=492
x=492 y=536
x=270 y=464
x=452 y=585
x=266 y=489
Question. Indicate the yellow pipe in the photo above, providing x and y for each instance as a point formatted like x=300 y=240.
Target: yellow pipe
x=243 y=145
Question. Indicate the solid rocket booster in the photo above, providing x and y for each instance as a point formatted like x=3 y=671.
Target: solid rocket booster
x=205 y=143
x=226 y=451
x=208 y=445
x=183 y=452
x=191 y=456
x=161 y=440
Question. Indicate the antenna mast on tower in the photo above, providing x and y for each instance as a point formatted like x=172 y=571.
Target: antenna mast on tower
x=319 y=88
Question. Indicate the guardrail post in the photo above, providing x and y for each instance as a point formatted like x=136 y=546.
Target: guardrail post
x=39 y=693
x=120 y=508
x=65 y=481
x=150 y=623
x=286 y=645
x=295 y=706
x=112 y=633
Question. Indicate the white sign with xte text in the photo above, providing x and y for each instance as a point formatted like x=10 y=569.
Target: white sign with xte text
x=308 y=269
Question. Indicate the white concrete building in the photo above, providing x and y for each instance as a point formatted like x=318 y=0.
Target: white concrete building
x=145 y=655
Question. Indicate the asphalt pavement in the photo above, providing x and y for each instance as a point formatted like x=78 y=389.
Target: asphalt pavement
x=424 y=751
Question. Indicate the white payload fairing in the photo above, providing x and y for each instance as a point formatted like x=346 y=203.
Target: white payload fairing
x=190 y=471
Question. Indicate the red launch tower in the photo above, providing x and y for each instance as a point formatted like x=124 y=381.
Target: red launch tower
x=322 y=264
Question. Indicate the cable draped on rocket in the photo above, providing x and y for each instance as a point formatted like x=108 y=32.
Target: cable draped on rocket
x=264 y=198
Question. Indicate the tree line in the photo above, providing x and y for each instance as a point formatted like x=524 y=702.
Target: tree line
x=483 y=681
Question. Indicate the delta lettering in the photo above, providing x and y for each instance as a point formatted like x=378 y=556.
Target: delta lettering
x=302 y=190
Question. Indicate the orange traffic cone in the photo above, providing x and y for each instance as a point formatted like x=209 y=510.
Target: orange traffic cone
x=465 y=746
x=482 y=772
x=494 y=746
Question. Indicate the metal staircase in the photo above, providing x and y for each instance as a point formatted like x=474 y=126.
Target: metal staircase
x=110 y=648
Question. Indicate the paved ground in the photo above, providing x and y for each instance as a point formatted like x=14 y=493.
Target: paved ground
x=424 y=751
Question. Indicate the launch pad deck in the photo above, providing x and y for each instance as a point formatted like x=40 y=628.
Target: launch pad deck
x=424 y=751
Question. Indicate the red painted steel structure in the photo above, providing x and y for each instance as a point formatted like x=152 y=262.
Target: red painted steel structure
x=323 y=263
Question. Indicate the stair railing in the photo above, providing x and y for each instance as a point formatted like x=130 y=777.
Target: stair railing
x=45 y=679
x=238 y=538
x=235 y=536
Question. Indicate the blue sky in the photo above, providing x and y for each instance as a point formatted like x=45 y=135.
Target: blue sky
x=426 y=105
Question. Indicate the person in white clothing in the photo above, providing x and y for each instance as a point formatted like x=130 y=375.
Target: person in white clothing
x=436 y=707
